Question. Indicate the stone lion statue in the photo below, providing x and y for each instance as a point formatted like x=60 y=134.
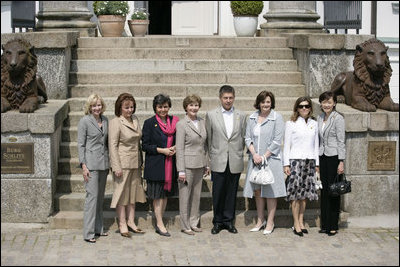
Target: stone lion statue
x=21 y=87
x=367 y=87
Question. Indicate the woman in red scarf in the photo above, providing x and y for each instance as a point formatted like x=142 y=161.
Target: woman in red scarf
x=158 y=141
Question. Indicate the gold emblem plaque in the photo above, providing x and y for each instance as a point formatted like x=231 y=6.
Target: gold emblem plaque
x=17 y=158
x=381 y=155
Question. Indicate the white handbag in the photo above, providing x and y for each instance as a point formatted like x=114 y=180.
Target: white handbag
x=262 y=174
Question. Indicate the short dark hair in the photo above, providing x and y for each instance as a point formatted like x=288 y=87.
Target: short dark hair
x=226 y=89
x=191 y=99
x=327 y=95
x=121 y=98
x=161 y=99
x=262 y=96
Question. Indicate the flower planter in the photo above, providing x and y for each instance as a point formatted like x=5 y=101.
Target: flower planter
x=111 y=25
x=138 y=27
x=245 y=26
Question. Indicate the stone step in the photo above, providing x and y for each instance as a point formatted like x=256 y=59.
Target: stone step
x=146 y=219
x=74 y=183
x=182 y=53
x=76 y=201
x=141 y=65
x=75 y=116
x=182 y=41
x=182 y=90
x=186 y=77
x=208 y=103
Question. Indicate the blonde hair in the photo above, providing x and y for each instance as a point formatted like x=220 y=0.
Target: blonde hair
x=92 y=99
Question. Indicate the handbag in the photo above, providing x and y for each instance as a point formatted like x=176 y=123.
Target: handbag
x=339 y=187
x=262 y=174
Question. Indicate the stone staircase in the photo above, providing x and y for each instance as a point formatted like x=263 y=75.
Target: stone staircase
x=177 y=66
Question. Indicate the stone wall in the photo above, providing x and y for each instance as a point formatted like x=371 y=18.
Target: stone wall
x=29 y=197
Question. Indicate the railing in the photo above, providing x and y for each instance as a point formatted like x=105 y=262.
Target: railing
x=342 y=15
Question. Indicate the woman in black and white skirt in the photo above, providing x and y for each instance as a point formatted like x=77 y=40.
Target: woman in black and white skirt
x=301 y=160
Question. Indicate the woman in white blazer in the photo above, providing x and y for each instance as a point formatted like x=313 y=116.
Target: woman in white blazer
x=300 y=160
x=93 y=159
x=191 y=163
x=332 y=153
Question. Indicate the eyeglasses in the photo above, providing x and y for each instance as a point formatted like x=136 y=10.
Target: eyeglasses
x=303 y=106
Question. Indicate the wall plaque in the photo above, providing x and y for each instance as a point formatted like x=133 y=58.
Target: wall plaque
x=381 y=155
x=17 y=158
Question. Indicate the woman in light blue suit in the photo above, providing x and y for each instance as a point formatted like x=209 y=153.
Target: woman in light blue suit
x=264 y=133
x=94 y=160
x=332 y=152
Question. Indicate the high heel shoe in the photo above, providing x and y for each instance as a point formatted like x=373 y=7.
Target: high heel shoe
x=267 y=232
x=136 y=231
x=332 y=233
x=256 y=229
x=304 y=231
x=158 y=231
x=124 y=233
x=297 y=233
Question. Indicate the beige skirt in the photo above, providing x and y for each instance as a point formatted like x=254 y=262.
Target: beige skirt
x=128 y=189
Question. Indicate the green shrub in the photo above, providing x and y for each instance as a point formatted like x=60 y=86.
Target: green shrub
x=251 y=8
x=140 y=14
x=111 y=8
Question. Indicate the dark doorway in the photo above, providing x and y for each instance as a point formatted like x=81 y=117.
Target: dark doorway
x=160 y=17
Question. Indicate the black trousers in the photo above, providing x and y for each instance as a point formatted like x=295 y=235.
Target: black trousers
x=224 y=190
x=330 y=206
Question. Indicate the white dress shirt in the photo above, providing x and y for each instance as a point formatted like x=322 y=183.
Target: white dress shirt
x=228 y=119
x=301 y=141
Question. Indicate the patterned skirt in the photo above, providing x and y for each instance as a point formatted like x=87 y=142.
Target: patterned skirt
x=155 y=190
x=301 y=182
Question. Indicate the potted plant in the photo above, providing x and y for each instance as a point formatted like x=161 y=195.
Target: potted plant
x=245 y=16
x=111 y=16
x=139 y=22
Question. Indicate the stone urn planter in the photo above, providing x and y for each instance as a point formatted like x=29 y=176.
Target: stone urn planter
x=138 y=27
x=111 y=25
x=245 y=17
x=245 y=26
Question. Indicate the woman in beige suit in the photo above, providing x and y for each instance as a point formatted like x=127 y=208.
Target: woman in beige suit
x=126 y=160
x=191 y=163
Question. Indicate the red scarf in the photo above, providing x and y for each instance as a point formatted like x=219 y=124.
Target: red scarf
x=169 y=130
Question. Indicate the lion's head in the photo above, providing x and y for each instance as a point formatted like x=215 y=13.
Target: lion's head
x=18 y=56
x=372 y=67
x=18 y=71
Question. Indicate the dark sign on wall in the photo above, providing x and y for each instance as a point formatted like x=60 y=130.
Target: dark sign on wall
x=17 y=158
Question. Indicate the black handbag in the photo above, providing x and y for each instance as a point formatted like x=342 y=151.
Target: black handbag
x=340 y=187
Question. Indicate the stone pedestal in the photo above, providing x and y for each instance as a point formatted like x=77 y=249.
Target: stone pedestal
x=373 y=191
x=291 y=17
x=65 y=16
x=29 y=197
x=53 y=51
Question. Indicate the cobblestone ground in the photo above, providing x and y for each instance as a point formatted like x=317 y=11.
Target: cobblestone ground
x=360 y=246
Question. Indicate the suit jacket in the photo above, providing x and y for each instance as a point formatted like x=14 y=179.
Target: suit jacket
x=190 y=145
x=124 y=140
x=153 y=137
x=93 y=143
x=220 y=148
x=332 y=137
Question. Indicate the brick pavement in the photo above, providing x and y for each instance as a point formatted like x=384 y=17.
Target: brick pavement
x=352 y=246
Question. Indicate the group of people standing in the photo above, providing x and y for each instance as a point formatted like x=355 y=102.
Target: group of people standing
x=179 y=153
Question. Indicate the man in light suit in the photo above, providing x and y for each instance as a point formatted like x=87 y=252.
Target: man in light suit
x=226 y=129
